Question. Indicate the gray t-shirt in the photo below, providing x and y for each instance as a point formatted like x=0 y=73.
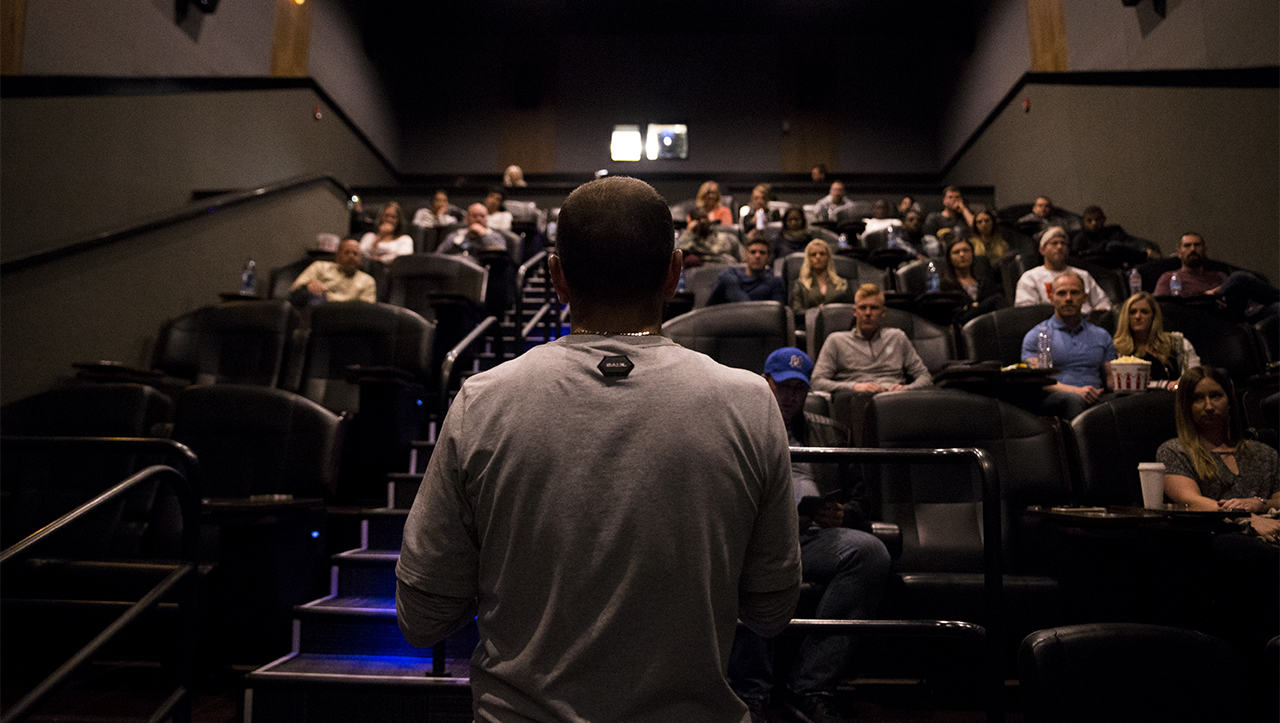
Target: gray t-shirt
x=1259 y=475
x=609 y=526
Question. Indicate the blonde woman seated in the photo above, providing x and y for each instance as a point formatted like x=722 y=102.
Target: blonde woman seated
x=1210 y=465
x=1140 y=332
x=818 y=282
x=708 y=199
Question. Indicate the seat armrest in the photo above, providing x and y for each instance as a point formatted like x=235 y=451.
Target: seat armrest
x=891 y=535
x=357 y=374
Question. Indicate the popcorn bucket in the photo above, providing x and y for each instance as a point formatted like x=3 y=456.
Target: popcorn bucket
x=1130 y=374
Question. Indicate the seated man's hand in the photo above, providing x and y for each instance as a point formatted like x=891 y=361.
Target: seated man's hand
x=831 y=514
x=898 y=388
x=477 y=229
x=1089 y=393
x=868 y=387
x=316 y=288
x=1266 y=527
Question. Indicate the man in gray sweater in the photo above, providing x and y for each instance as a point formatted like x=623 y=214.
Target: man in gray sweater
x=869 y=358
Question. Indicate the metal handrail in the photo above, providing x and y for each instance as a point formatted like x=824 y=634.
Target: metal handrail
x=451 y=360
x=186 y=462
x=186 y=213
x=992 y=546
x=178 y=704
x=522 y=275
x=534 y=321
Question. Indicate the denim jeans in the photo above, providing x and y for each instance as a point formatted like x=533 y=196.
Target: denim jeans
x=853 y=565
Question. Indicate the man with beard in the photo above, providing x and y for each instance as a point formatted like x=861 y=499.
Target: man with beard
x=1242 y=294
x=1196 y=279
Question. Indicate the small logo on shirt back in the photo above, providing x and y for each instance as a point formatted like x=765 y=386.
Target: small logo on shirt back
x=615 y=366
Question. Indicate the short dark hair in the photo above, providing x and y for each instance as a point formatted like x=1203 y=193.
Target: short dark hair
x=615 y=238
x=758 y=240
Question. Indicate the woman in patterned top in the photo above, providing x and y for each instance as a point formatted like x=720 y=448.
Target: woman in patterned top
x=1210 y=465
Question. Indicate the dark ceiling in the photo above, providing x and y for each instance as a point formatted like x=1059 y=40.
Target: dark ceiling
x=896 y=42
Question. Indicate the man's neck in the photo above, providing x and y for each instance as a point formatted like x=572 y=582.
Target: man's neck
x=761 y=272
x=1070 y=322
x=1060 y=267
x=868 y=336
x=608 y=320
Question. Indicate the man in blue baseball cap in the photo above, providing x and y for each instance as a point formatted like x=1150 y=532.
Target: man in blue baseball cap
x=852 y=564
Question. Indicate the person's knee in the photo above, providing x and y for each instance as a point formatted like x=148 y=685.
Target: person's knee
x=864 y=551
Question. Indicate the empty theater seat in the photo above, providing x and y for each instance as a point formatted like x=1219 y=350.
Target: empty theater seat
x=240 y=342
x=1123 y=672
x=1113 y=437
x=739 y=334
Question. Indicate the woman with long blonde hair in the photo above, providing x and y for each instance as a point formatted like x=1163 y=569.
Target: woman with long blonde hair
x=1140 y=332
x=818 y=282
x=708 y=199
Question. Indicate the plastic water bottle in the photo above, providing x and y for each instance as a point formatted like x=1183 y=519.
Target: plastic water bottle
x=1175 y=285
x=680 y=286
x=842 y=241
x=1135 y=282
x=932 y=282
x=248 y=278
x=1044 y=350
x=760 y=219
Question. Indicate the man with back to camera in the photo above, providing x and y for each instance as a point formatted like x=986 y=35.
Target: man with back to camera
x=756 y=283
x=607 y=505
x=337 y=280
x=1081 y=352
x=1243 y=295
x=852 y=564
x=1034 y=284
x=476 y=238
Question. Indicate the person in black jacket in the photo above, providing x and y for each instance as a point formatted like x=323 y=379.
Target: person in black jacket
x=972 y=276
